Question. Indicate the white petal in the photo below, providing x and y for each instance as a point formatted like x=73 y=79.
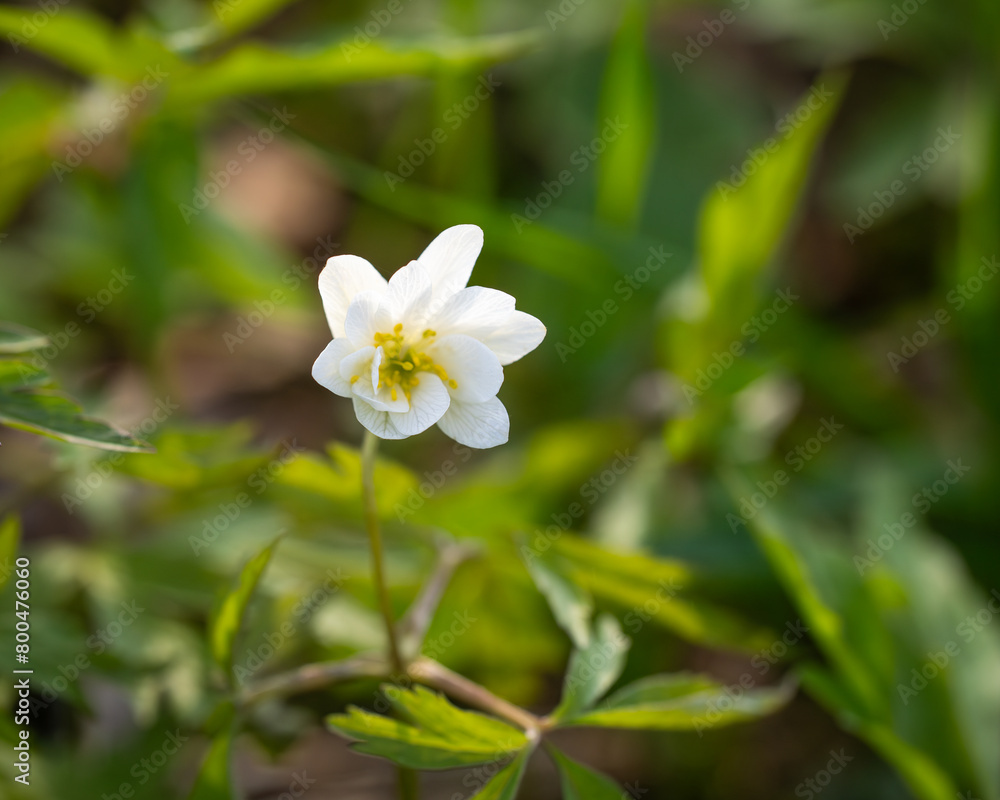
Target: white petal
x=379 y=396
x=449 y=259
x=429 y=400
x=489 y=316
x=356 y=363
x=473 y=311
x=409 y=296
x=471 y=364
x=366 y=316
x=479 y=425
x=377 y=422
x=517 y=337
x=340 y=281
x=326 y=369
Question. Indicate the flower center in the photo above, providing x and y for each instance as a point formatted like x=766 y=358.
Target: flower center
x=402 y=362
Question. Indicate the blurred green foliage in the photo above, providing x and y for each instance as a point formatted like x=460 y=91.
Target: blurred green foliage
x=756 y=143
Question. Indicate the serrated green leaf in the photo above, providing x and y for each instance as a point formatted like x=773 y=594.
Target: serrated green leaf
x=571 y=605
x=433 y=712
x=504 y=785
x=683 y=702
x=594 y=669
x=437 y=735
x=10 y=535
x=19 y=339
x=580 y=783
x=52 y=414
x=229 y=619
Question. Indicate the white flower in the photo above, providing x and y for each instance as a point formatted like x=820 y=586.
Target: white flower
x=423 y=348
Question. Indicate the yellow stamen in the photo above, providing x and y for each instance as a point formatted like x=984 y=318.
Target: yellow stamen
x=402 y=361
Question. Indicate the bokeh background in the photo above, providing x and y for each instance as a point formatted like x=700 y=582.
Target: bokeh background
x=763 y=237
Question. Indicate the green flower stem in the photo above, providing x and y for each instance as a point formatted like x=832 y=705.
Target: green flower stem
x=423 y=670
x=409 y=787
x=368 y=450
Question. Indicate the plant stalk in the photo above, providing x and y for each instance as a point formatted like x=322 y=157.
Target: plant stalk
x=368 y=450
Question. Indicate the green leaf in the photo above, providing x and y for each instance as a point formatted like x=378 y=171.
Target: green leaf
x=30 y=109
x=571 y=605
x=593 y=669
x=18 y=339
x=632 y=580
x=79 y=40
x=236 y=16
x=739 y=233
x=255 y=68
x=227 y=623
x=87 y=43
x=580 y=783
x=213 y=780
x=504 y=785
x=741 y=228
x=435 y=735
x=683 y=702
x=40 y=410
x=627 y=99
x=10 y=535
